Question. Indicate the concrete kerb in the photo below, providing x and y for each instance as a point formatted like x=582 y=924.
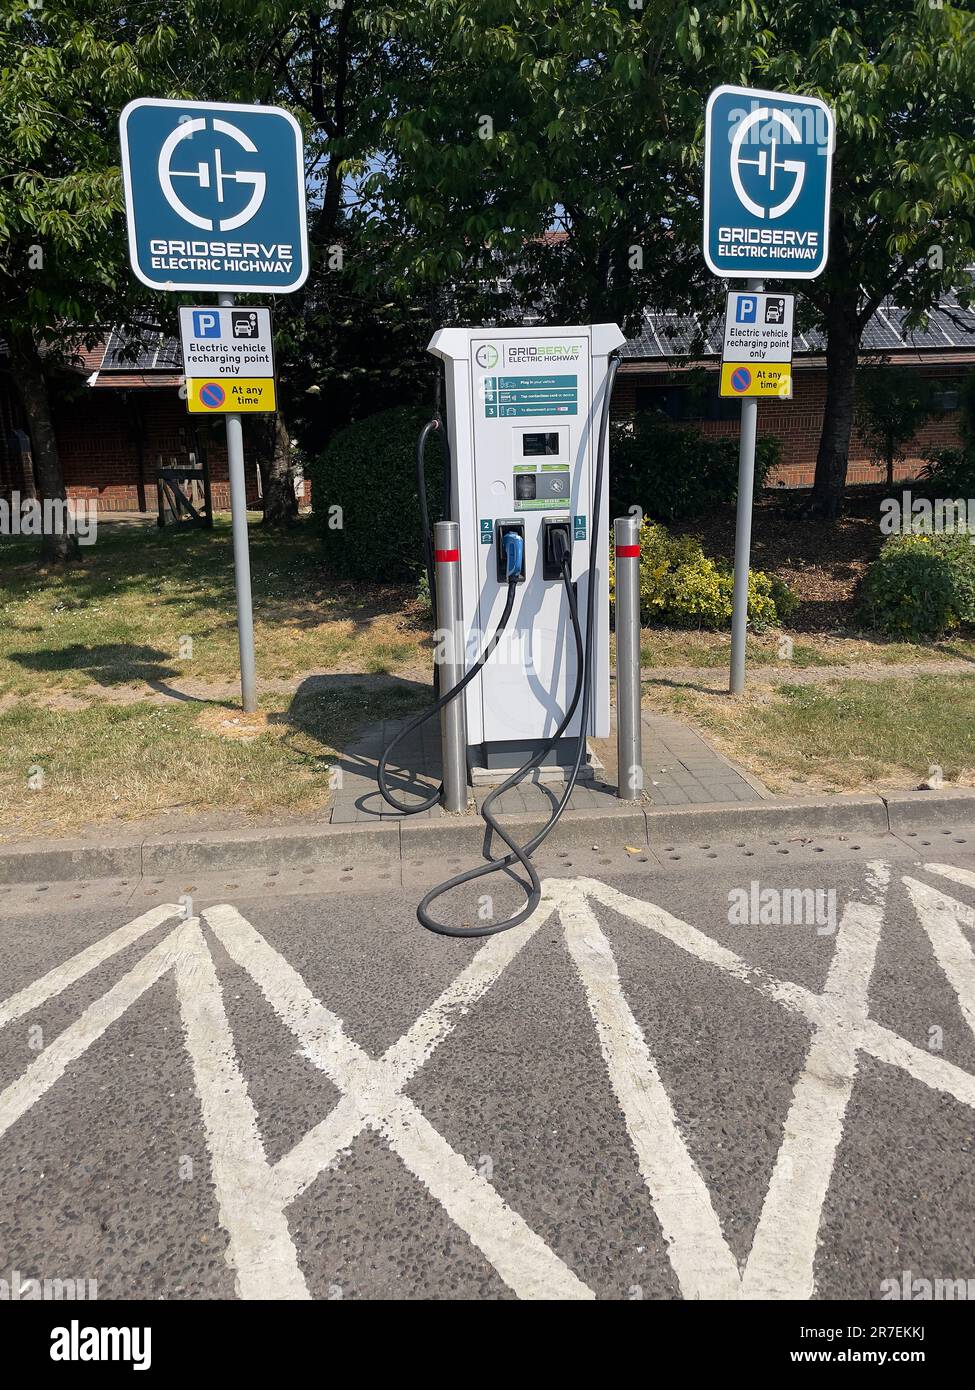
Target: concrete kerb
x=320 y=844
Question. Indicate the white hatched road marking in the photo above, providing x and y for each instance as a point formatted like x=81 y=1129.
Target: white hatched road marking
x=58 y=979
x=943 y=918
x=520 y=1256
x=260 y=1246
x=252 y=1195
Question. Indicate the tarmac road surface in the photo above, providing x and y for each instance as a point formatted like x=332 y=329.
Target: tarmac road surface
x=747 y=1073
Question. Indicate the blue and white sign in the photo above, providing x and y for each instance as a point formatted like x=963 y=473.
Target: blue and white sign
x=767 y=165
x=215 y=196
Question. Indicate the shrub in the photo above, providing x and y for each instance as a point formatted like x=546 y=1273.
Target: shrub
x=918 y=586
x=674 y=473
x=784 y=599
x=949 y=473
x=368 y=471
x=681 y=586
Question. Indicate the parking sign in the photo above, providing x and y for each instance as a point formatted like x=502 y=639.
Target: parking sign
x=767 y=167
x=214 y=195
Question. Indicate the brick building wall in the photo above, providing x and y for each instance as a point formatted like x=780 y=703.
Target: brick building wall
x=104 y=430
x=798 y=424
x=112 y=440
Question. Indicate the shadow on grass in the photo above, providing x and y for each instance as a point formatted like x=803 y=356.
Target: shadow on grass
x=114 y=663
x=351 y=718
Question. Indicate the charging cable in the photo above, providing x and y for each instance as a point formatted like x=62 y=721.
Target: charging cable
x=518 y=854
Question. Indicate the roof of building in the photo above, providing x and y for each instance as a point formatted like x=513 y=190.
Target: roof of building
x=948 y=335
x=148 y=357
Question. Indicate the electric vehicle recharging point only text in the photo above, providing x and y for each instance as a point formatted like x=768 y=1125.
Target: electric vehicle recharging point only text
x=527 y=444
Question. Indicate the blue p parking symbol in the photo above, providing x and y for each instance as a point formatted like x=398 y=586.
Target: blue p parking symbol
x=206 y=323
x=747 y=310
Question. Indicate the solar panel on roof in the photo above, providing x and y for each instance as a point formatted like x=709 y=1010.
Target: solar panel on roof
x=134 y=351
x=879 y=336
x=679 y=335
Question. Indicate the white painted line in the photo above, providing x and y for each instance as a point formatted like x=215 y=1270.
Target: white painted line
x=372 y=1098
x=520 y=1256
x=952 y=871
x=68 y=1046
x=943 y=918
x=260 y=1247
x=782 y=1258
x=878 y=1041
x=297 y=1170
x=59 y=979
x=702 y=1261
x=781 y=1262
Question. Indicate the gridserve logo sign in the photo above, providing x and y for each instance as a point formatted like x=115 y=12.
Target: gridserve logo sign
x=768 y=162
x=215 y=196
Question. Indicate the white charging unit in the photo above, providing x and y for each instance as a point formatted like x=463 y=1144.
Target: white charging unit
x=523 y=409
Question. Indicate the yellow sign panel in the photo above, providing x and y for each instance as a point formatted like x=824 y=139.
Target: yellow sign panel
x=768 y=379
x=250 y=395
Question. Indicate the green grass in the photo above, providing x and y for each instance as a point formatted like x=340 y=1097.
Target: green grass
x=113 y=764
x=139 y=597
x=843 y=735
x=118 y=622
x=712 y=650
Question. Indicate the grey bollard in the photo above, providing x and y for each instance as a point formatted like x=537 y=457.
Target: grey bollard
x=450 y=637
x=629 y=730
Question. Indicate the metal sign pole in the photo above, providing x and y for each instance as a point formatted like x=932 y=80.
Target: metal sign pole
x=743 y=530
x=242 y=562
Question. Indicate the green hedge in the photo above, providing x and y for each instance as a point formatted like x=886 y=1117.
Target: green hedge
x=920 y=585
x=368 y=472
x=675 y=472
x=682 y=587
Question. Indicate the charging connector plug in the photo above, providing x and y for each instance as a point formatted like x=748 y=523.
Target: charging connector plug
x=556 y=549
x=514 y=555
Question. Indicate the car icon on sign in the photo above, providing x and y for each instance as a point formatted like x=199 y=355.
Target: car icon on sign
x=775 y=311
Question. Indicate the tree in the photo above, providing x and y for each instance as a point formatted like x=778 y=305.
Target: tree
x=540 y=114
x=528 y=119
x=899 y=75
x=66 y=71
x=894 y=402
x=343 y=334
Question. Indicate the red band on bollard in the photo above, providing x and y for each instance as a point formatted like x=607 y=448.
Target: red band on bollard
x=445 y=556
x=627 y=552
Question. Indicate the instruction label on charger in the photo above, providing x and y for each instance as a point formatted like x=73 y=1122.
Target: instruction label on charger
x=509 y=397
x=487 y=530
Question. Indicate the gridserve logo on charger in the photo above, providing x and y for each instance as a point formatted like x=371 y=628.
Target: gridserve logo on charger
x=523 y=354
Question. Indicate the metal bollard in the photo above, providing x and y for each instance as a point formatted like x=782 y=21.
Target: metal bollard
x=450 y=633
x=629 y=730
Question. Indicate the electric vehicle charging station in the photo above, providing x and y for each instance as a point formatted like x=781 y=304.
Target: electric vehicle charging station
x=523 y=409
x=527 y=491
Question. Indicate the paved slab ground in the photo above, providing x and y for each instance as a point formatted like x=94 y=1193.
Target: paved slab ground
x=676 y=1080
x=680 y=769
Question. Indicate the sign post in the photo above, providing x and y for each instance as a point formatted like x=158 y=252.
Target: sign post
x=215 y=201
x=768 y=159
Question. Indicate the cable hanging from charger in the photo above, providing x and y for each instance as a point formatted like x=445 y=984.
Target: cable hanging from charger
x=517 y=854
